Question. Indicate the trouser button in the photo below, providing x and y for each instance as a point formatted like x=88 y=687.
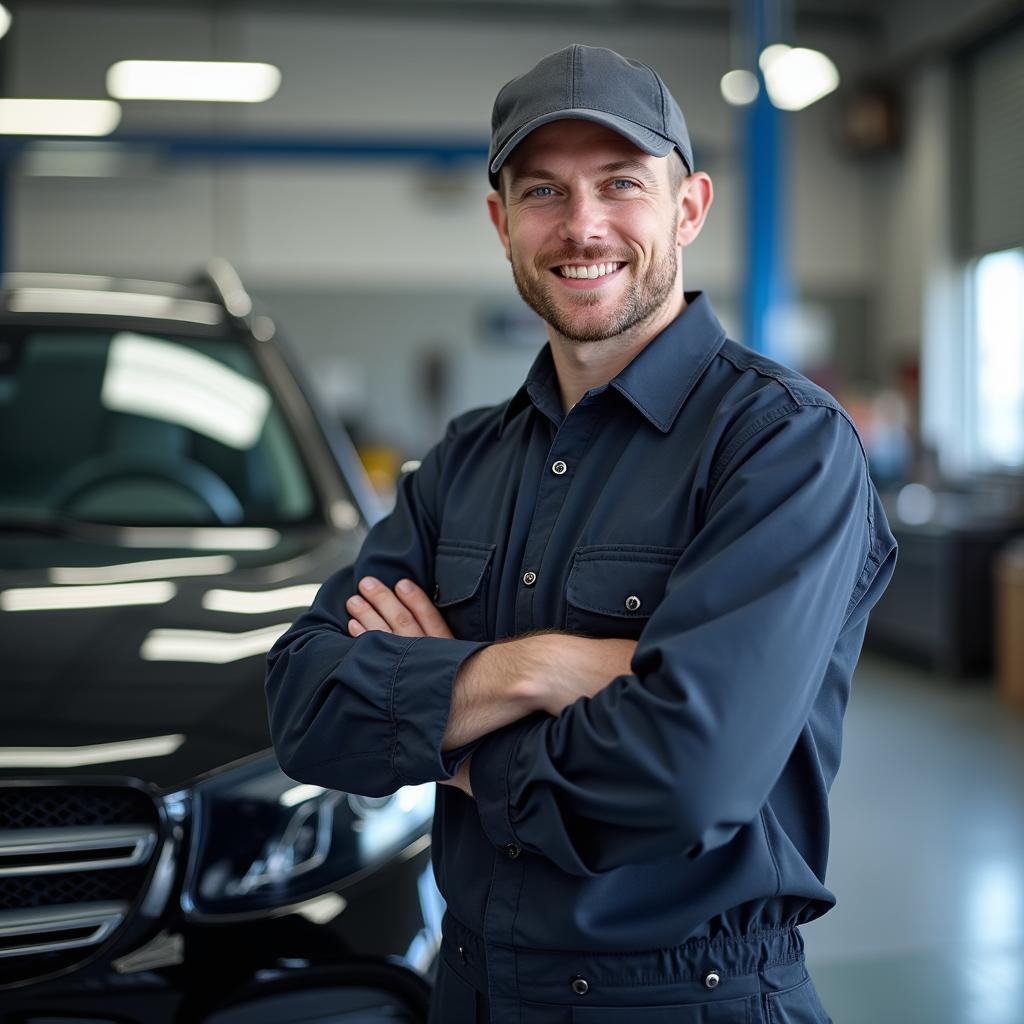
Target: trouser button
x=712 y=979
x=580 y=986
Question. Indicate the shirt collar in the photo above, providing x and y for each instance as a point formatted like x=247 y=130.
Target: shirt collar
x=658 y=380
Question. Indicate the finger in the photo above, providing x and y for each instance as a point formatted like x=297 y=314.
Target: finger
x=354 y=628
x=365 y=614
x=427 y=615
x=399 y=619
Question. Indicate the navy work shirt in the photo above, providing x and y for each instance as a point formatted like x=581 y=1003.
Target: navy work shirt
x=707 y=502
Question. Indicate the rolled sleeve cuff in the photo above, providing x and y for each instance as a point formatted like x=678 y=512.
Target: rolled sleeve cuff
x=488 y=778
x=421 y=701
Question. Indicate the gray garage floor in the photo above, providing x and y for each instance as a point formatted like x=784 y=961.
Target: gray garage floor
x=927 y=856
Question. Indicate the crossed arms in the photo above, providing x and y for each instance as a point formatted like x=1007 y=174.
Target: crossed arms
x=679 y=742
x=499 y=684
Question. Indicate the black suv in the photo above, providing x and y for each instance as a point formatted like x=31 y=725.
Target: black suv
x=170 y=499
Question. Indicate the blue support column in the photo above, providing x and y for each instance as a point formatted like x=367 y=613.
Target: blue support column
x=767 y=281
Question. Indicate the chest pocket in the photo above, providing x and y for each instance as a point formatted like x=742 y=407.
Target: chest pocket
x=613 y=589
x=461 y=571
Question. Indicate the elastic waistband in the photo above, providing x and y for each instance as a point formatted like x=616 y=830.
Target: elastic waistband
x=719 y=967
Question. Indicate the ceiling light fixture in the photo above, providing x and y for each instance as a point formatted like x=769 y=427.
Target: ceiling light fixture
x=193 y=80
x=796 y=76
x=740 y=87
x=58 y=117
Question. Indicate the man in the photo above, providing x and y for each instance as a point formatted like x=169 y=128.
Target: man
x=615 y=617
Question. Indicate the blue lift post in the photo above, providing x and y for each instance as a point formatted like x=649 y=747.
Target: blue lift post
x=767 y=281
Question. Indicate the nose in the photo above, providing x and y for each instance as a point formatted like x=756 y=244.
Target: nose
x=583 y=219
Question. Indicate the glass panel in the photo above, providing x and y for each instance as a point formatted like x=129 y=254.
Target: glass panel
x=999 y=359
x=129 y=427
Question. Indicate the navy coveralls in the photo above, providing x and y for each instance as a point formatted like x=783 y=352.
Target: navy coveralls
x=647 y=855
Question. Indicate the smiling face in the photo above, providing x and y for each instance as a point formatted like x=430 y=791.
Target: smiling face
x=593 y=226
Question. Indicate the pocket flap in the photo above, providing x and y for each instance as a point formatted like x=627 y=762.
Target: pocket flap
x=459 y=570
x=620 y=581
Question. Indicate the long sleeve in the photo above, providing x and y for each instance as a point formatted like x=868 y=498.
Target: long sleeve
x=368 y=714
x=676 y=757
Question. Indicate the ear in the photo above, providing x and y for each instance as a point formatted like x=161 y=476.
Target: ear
x=695 y=199
x=499 y=218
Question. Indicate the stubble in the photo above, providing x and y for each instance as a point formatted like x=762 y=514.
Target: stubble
x=644 y=297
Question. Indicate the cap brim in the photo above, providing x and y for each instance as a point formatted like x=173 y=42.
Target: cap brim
x=642 y=138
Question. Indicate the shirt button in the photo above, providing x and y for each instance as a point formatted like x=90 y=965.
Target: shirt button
x=632 y=603
x=580 y=986
x=559 y=468
x=529 y=578
x=437 y=591
x=712 y=979
x=512 y=851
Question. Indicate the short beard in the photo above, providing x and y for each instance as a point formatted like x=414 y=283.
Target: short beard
x=644 y=297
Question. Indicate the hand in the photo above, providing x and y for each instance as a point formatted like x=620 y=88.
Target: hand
x=405 y=611
x=460 y=780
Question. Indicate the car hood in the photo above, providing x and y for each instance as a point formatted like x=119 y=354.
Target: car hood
x=142 y=653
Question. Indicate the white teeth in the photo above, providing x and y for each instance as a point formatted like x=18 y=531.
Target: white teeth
x=591 y=272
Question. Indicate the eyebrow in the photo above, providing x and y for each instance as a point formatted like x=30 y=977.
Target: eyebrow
x=540 y=173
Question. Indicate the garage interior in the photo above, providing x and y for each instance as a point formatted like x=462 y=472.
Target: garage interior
x=352 y=204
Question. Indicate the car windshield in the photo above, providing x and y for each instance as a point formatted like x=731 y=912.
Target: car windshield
x=126 y=427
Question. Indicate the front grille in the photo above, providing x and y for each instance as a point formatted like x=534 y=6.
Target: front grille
x=73 y=861
x=72 y=806
x=74 y=887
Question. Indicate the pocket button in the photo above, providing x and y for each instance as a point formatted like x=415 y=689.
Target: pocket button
x=711 y=979
x=580 y=986
x=632 y=603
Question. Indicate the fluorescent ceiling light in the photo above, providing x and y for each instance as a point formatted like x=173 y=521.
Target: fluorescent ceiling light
x=58 y=117
x=197 y=80
x=167 y=381
x=95 y=753
x=80 y=158
x=5 y=20
x=116 y=595
x=247 y=602
x=154 y=569
x=739 y=87
x=796 y=77
x=209 y=646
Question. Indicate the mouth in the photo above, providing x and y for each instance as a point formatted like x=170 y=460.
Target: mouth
x=586 y=275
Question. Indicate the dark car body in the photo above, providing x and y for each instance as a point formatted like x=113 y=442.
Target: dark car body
x=170 y=499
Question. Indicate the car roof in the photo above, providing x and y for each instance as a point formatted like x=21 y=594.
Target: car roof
x=211 y=300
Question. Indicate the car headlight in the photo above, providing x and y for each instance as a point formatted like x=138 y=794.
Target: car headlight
x=261 y=840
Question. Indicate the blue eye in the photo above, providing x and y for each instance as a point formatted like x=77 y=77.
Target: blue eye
x=536 y=192
x=623 y=184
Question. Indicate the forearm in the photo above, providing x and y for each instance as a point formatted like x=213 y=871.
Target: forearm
x=541 y=672
x=491 y=690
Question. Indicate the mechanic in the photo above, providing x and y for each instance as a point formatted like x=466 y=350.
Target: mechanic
x=615 y=617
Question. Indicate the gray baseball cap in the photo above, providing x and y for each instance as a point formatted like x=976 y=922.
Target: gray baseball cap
x=588 y=83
